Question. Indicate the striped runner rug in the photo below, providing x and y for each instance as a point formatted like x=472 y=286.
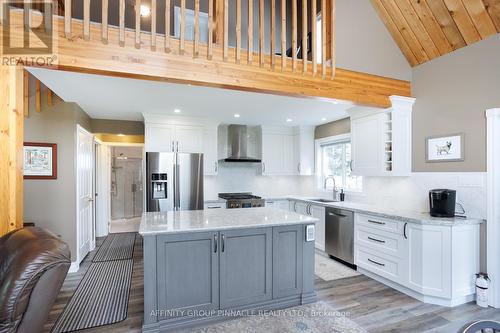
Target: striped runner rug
x=116 y=247
x=100 y=299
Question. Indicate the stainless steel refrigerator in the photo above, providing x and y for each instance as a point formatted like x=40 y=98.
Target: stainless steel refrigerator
x=174 y=181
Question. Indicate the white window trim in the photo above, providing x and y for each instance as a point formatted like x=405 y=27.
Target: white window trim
x=318 y=143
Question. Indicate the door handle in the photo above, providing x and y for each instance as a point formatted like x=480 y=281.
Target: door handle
x=215 y=243
x=223 y=245
x=89 y=199
x=376 y=222
x=376 y=262
x=376 y=240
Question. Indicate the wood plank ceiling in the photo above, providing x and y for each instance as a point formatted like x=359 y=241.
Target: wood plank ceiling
x=427 y=29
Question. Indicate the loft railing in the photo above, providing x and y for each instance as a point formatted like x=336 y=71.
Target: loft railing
x=296 y=36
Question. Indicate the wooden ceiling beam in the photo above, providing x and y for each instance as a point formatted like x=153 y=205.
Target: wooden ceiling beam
x=481 y=18
x=418 y=28
x=432 y=26
x=462 y=19
x=394 y=31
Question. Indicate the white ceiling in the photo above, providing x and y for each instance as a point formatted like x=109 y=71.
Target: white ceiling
x=106 y=97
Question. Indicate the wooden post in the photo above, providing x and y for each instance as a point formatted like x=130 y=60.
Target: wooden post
x=11 y=148
x=218 y=33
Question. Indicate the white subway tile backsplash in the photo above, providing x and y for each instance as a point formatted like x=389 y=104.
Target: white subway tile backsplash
x=406 y=193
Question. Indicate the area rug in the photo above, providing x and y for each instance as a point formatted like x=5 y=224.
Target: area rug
x=116 y=247
x=101 y=298
x=328 y=269
x=313 y=318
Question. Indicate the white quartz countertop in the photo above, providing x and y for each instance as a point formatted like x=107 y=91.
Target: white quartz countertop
x=154 y=223
x=396 y=214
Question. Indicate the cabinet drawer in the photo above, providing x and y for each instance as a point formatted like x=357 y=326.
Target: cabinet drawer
x=387 y=266
x=380 y=223
x=379 y=240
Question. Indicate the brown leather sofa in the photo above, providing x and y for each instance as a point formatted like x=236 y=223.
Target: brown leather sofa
x=33 y=265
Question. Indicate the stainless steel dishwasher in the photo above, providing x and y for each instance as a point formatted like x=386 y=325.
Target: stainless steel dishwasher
x=339 y=232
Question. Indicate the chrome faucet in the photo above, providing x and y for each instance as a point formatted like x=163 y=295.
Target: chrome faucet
x=334 y=186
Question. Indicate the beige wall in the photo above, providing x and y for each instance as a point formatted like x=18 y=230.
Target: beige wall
x=51 y=204
x=117 y=126
x=452 y=93
x=341 y=126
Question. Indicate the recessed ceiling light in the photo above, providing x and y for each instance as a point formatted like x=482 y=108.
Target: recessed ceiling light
x=323 y=119
x=335 y=102
x=236 y=115
x=120 y=134
x=177 y=111
x=145 y=10
x=288 y=120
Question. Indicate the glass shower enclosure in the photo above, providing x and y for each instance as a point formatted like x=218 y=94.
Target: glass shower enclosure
x=126 y=183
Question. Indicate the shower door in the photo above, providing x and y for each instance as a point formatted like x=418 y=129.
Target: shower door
x=126 y=188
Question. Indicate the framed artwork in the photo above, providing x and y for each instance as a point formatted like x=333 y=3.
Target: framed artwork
x=40 y=160
x=448 y=148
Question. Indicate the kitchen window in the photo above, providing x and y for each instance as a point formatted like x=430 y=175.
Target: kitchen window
x=334 y=160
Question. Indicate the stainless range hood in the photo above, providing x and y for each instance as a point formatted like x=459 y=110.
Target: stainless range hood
x=239 y=142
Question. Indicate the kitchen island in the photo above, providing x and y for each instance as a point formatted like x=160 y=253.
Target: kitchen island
x=202 y=265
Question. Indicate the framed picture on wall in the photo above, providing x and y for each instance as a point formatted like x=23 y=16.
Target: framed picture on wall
x=448 y=148
x=40 y=160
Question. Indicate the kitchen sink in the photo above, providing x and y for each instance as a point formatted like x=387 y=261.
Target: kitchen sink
x=323 y=200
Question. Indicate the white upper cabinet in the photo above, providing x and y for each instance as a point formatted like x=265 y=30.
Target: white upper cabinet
x=210 y=161
x=381 y=139
x=304 y=141
x=183 y=135
x=287 y=150
x=189 y=139
x=159 y=137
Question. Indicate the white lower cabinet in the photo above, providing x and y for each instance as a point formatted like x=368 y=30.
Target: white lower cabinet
x=433 y=263
x=316 y=211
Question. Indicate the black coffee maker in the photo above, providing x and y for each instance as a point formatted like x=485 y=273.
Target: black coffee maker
x=442 y=202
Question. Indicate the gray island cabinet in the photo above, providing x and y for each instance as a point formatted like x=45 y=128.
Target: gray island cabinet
x=202 y=265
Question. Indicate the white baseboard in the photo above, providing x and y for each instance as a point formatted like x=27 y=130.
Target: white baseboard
x=75 y=266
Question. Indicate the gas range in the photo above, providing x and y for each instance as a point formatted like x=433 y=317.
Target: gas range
x=242 y=200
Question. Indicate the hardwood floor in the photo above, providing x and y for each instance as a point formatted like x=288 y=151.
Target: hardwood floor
x=372 y=305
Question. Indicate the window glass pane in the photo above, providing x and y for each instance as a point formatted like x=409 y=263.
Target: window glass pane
x=336 y=161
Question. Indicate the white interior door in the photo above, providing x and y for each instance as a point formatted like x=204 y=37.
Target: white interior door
x=84 y=191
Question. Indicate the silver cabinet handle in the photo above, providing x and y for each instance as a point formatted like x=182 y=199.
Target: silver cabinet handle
x=298 y=167
x=295 y=206
x=263 y=167
x=216 y=166
x=215 y=243
x=376 y=222
x=376 y=240
x=173 y=145
x=223 y=245
x=214 y=207
x=177 y=146
x=404 y=231
x=376 y=262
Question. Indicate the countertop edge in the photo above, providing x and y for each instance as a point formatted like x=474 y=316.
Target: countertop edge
x=390 y=215
x=231 y=227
